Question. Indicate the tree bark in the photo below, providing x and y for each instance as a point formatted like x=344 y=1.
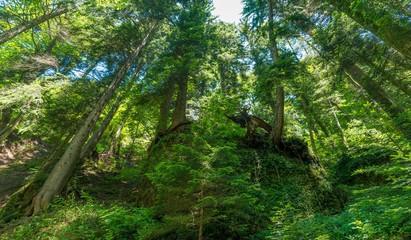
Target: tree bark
x=62 y=171
x=394 y=31
x=180 y=116
x=310 y=124
x=277 y=132
x=13 y=32
x=165 y=107
x=113 y=146
x=340 y=130
x=95 y=138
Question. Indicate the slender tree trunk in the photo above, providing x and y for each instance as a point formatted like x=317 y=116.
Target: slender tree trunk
x=271 y=34
x=9 y=128
x=340 y=130
x=95 y=138
x=113 y=146
x=179 y=116
x=393 y=30
x=62 y=171
x=278 y=128
x=11 y=33
x=277 y=132
x=201 y=221
x=310 y=125
x=165 y=107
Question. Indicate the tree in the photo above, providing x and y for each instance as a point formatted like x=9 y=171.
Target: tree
x=13 y=32
x=63 y=169
x=389 y=25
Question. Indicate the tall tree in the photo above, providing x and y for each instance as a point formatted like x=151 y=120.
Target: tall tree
x=62 y=171
x=392 y=27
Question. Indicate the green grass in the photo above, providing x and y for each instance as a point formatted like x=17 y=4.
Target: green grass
x=87 y=220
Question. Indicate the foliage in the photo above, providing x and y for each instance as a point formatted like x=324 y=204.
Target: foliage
x=345 y=69
x=87 y=220
x=376 y=211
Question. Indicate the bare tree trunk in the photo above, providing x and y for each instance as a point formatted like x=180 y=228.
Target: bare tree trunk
x=9 y=128
x=277 y=132
x=165 y=107
x=11 y=33
x=62 y=171
x=179 y=116
x=201 y=221
x=113 y=146
x=310 y=125
x=340 y=130
x=95 y=138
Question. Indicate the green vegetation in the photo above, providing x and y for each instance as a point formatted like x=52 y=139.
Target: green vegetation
x=153 y=120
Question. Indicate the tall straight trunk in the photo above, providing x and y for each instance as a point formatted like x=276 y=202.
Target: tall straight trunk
x=340 y=130
x=277 y=131
x=95 y=138
x=271 y=34
x=62 y=171
x=179 y=116
x=165 y=107
x=278 y=128
x=310 y=124
x=114 y=149
x=13 y=32
x=9 y=128
x=393 y=30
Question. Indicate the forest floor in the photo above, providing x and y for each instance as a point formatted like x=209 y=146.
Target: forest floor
x=17 y=163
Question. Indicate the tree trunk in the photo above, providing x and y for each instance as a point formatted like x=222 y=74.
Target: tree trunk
x=62 y=171
x=277 y=132
x=165 y=107
x=9 y=128
x=310 y=125
x=271 y=35
x=385 y=25
x=113 y=146
x=20 y=202
x=95 y=138
x=340 y=130
x=179 y=116
x=11 y=33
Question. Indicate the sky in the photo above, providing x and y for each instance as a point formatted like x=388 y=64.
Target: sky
x=228 y=10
